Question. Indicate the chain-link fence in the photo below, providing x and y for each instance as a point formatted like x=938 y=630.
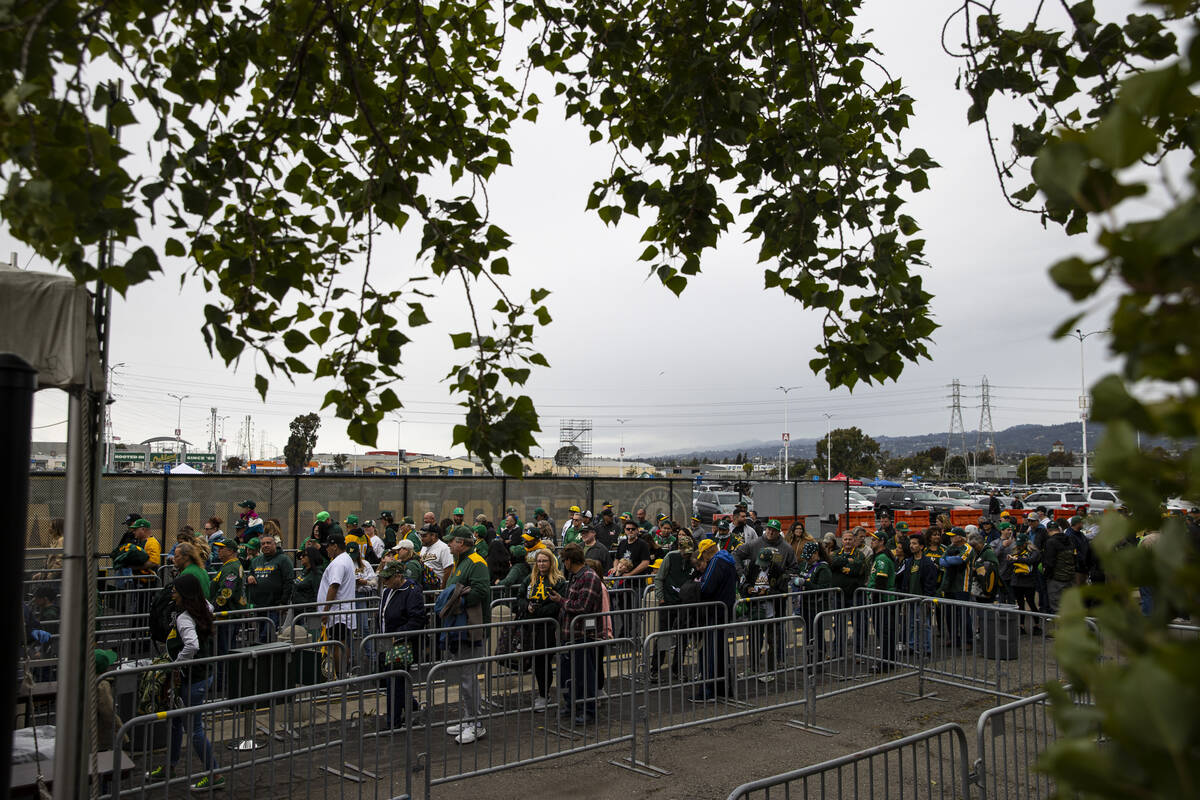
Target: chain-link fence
x=171 y=501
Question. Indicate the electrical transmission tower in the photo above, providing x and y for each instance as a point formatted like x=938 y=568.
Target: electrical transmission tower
x=956 y=426
x=986 y=435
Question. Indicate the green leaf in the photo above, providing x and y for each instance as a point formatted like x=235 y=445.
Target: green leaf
x=1120 y=139
x=295 y=341
x=260 y=384
x=416 y=317
x=460 y=340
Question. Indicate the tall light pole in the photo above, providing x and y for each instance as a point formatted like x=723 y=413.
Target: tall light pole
x=828 y=446
x=1083 y=400
x=621 y=462
x=786 y=435
x=179 y=426
x=399 y=460
x=108 y=389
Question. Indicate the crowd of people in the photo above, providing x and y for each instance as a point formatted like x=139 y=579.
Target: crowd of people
x=563 y=580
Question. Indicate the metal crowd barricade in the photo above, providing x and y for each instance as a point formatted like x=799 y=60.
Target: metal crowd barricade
x=142 y=687
x=857 y=649
x=329 y=740
x=1010 y=739
x=725 y=670
x=517 y=734
x=997 y=649
x=930 y=765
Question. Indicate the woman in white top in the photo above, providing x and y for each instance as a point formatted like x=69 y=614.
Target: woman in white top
x=190 y=638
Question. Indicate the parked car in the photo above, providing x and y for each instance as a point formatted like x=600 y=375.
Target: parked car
x=1178 y=505
x=1073 y=501
x=951 y=493
x=914 y=500
x=868 y=492
x=858 y=502
x=1103 y=499
x=705 y=504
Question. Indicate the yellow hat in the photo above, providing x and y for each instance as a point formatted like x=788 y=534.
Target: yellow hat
x=574 y=509
x=1004 y=514
x=704 y=546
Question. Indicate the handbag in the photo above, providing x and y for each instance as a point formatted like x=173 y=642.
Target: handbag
x=399 y=655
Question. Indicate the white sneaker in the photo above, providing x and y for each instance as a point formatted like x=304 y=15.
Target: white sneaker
x=470 y=733
x=768 y=678
x=539 y=703
x=455 y=729
x=601 y=695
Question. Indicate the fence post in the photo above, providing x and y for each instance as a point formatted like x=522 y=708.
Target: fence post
x=503 y=499
x=166 y=475
x=296 y=511
x=404 y=512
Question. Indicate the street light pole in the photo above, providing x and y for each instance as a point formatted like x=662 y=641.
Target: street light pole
x=179 y=426
x=621 y=460
x=1083 y=400
x=828 y=446
x=786 y=436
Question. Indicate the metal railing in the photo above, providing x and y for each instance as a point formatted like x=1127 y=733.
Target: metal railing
x=932 y=764
x=329 y=740
x=511 y=722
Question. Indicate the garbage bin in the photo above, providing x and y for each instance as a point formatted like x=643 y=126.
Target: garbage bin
x=1001 y=631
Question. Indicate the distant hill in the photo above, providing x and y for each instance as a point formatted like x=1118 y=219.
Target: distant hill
x=1017 y=439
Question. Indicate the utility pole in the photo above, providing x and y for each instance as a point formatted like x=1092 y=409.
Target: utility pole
x=179 y=426
x=108 y=427
x=1083 y=400
x=985 y=425
x=786 y=434
x=956 y=425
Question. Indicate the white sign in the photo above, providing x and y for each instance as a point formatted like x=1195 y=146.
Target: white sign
x=787 y=437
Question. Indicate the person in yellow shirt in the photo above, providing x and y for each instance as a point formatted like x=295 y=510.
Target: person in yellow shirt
x=141 y=529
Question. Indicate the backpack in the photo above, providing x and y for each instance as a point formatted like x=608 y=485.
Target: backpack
x=161 y=614
x=430 y=580
x=154 y=692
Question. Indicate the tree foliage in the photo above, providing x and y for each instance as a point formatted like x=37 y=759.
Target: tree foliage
x=1116 y=117
x=300 y=444
x=284 y=138
x=854 y=453
x=1035 y=466
x=234 y=464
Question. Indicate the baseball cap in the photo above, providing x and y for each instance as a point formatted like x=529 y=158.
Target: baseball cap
x=704 y=546
x=352 y=519
x=131 y=518
x=240 y=524
x=723 y=525
x=246 y=504
x=369 y=523
x=386 y=515
x=322 y=516
x=463 y=534
x=774 y=524
x=479 y=529
x=254 y=543
x=224 y=542
x=901 y=526
x=405 y=544
x=139 y=523
x=391 y=569
x=574 y=509
x=457 y=512
x=539 y=510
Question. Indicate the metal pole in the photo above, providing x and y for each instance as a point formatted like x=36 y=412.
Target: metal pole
x=179 y=426
x=70 y=753
x=1083 y=411
x=18 y=381
x=786 y=437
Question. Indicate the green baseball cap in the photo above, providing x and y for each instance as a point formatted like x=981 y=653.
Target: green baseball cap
x=352 y=519
x=254 y=543
x=322 y=516
x=479 y=529
x=139 y=523
x=539 y=510
x=774 y=523
x=458 y=512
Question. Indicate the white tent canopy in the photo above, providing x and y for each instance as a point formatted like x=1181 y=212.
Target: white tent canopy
x=46 y=319
x=184 y=469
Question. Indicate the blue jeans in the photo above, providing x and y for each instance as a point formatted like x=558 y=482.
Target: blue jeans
x=918 y=621
x=713 y=660
x=1146 y=600
x=193 y=696
x=580 y=665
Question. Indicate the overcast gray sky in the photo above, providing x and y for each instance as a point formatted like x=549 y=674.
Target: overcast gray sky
x=688 y=372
